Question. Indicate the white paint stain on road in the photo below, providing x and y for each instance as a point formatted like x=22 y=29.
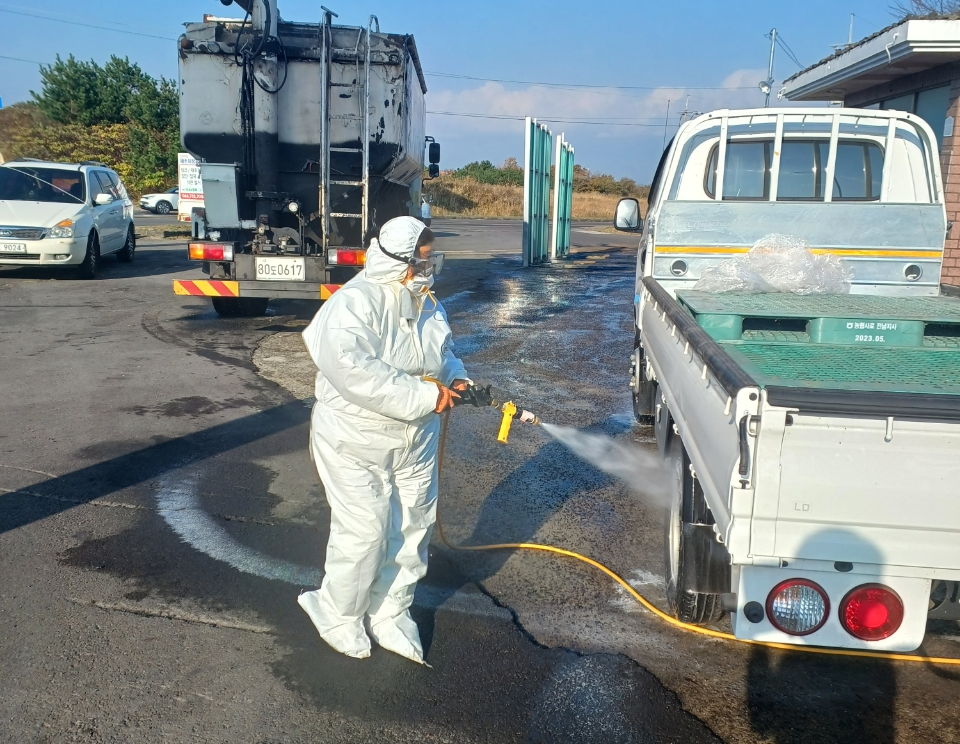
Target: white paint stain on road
x=178 y=504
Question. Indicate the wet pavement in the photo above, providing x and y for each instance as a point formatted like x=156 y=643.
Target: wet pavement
x=159 y=514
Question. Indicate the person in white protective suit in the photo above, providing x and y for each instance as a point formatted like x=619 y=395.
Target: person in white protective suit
x=383 y=349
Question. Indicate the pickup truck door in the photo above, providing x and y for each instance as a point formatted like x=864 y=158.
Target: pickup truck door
x=108 y=218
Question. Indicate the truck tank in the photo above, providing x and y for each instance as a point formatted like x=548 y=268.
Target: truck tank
x=262 y=93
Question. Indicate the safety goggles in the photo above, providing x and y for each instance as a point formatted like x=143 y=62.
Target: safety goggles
x=430 y=266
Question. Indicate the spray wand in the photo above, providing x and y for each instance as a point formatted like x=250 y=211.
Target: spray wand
x=482 y=397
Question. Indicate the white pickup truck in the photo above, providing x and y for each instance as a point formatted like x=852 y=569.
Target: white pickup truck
x=816 y=438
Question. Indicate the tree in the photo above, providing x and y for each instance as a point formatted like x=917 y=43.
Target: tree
x=76 y=92
x=928 y=8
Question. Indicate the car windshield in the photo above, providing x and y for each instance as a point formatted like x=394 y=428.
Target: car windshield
x=24 y=183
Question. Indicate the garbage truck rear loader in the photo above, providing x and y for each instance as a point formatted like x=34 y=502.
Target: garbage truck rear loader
x=310 y=137
x=815 y=439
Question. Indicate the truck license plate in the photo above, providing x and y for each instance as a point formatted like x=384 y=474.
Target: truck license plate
x=13 y=247
x=279 y=269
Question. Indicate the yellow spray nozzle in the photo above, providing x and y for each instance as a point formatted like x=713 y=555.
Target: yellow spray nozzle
x=509 y=411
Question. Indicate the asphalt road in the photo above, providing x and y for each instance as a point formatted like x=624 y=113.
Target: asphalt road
x=159 y=514
x=143 y=217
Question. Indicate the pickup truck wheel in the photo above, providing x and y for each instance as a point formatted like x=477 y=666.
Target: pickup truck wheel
x=687 y=541
x=240 y=307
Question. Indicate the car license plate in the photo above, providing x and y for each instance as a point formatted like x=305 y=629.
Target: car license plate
x=279 y=269
x=13 y=247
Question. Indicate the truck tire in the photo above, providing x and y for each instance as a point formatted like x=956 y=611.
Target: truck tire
x=240 y=307
x=693 y=555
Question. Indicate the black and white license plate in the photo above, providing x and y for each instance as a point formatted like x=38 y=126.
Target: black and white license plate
x=280 y=269
x=13 y=247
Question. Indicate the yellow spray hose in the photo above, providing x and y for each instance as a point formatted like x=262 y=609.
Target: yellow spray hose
x=660 y=613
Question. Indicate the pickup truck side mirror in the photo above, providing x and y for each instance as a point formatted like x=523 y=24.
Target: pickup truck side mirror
x=627 y=218
x=102 y=199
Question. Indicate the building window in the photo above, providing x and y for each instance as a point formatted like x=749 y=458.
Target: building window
x=930 y=105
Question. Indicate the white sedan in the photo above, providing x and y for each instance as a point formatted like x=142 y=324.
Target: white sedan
x=164 y=203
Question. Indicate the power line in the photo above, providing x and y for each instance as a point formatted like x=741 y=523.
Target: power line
x=18 y=59
x=552 y=119
x=86 y=25
x=789 y=52
x=578 y=86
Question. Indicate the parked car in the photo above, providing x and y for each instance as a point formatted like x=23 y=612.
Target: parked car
x=425 y=214
x=63 y=214
x=164 y=203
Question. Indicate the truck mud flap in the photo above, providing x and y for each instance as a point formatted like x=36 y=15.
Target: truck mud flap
x=705 y=562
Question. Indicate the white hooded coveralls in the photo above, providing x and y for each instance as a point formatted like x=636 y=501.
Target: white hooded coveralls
x=374 y=438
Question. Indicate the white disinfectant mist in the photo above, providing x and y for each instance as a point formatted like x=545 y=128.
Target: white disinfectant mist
x=643 y=471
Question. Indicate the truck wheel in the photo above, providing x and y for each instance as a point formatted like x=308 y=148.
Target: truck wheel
x=240 y=307
x=694 y=558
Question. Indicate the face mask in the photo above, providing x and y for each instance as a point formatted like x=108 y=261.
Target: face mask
x=420 y=283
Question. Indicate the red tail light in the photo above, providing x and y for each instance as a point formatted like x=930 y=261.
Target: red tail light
x=871 y=612
x=346 y=257
x=211 y=251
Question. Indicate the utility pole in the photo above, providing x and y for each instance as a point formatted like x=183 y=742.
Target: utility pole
x=850 y=35
x=767 y=85
x=666 y=122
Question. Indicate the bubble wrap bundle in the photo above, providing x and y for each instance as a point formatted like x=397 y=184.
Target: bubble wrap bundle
x=778 y=263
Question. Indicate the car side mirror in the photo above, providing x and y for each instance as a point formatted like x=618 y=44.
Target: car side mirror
x=627 y=217
x=434 y=170
x=433 y=154
x=102 y=199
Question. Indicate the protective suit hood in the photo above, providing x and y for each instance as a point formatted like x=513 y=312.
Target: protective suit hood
x=398 y=236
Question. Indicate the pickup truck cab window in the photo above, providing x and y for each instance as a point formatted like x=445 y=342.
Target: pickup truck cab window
x=767 y=160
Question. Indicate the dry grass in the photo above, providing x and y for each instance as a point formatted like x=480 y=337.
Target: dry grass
x=465 y=197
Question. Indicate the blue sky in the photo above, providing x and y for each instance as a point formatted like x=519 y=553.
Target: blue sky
x=670 y=48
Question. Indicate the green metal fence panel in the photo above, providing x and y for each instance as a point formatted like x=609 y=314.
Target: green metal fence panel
x=562 y=199
x=536 y=193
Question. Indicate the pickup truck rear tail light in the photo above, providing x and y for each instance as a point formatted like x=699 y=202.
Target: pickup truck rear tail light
x=346 y=258
x=798 y=607
x=211 y=251
x=871 y=612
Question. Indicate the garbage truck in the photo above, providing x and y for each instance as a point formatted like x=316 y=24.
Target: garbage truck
x=814 y=438
x=309 y=136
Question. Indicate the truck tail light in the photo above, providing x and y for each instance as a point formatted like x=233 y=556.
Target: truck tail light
x=211 y=251
x=797 y=607
x=871 y=612
x=346 y=257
